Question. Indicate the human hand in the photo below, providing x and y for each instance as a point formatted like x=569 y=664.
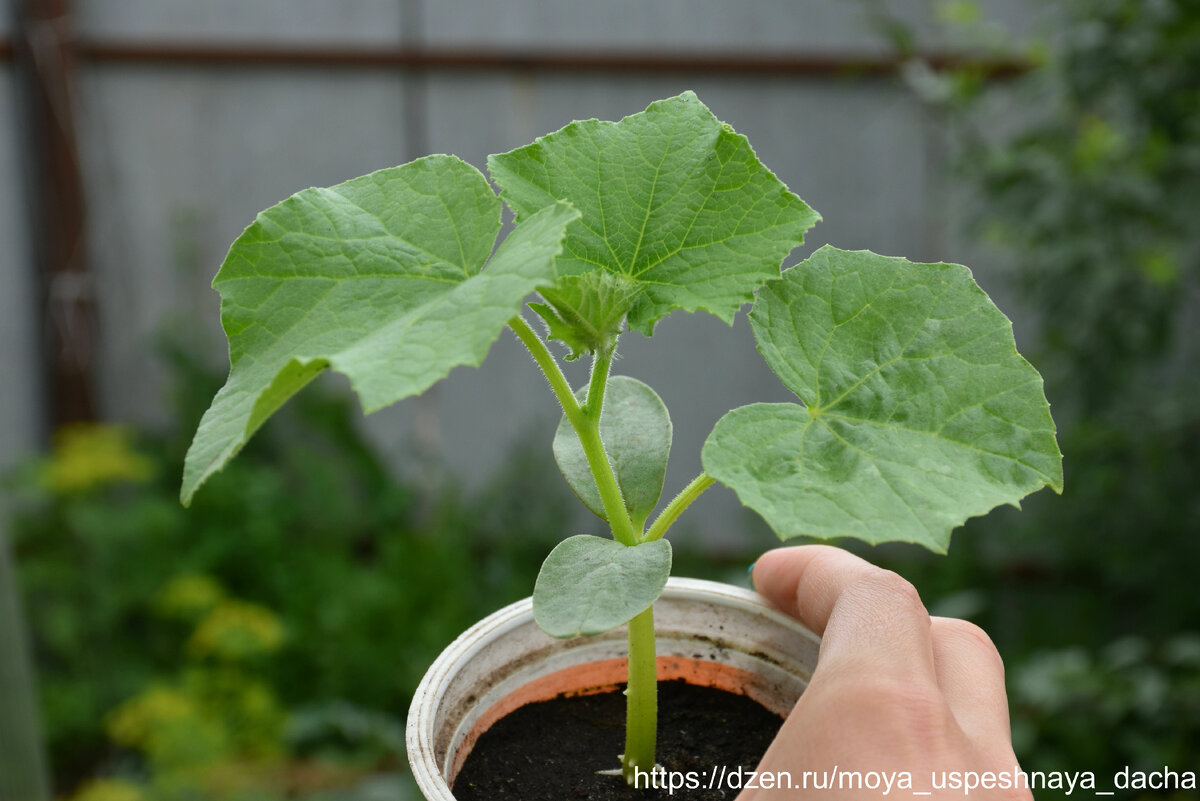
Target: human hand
x=895 y=693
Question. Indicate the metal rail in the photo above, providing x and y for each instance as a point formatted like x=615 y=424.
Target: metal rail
x=326 y=56
x=44 y=62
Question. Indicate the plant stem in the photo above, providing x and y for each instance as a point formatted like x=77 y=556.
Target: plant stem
x=641 y=716
x=597 y=384
x=675 y=508
x=586 y=422
x=641 y=698
x=558 y=382
x=593 y=447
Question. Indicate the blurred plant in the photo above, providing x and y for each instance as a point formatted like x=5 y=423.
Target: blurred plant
x=234 y=631
x=346 y=733
x=215 y=730
x=188 y=596
x=217 y=713
x=1084 y=178
x=109 y=790
x=1144 y=698
x=310 y=527
x=1093 y=200
x=88 y=456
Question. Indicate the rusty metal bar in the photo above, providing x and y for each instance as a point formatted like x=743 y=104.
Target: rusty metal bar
x=482 y=59
x=44 y=56
x=212 y=54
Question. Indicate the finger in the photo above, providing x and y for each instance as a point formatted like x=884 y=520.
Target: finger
x=865 y=615
x=806 y=581
x=970 y=674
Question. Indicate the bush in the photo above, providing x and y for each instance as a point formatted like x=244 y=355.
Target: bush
x=304 y=576
x=1089 y=189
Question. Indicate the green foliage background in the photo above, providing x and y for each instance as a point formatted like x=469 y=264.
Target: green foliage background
x=367 y=580
x=265 y=642
x=1091 y=198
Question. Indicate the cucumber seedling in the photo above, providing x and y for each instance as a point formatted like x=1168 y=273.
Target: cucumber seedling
x=913 y=410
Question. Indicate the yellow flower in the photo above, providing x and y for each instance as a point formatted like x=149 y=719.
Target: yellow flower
x=109 y=790
x=88 y=455
x=236 y=630
x=188 y=596
x=171 y=728
x=135 y=722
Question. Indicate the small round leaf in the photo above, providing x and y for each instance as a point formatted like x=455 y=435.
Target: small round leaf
x=589 y=585
x=636 y=431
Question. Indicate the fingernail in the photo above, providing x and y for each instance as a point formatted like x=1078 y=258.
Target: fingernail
x=751 y=568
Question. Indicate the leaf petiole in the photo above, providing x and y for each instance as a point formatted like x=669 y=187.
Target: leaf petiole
x=541 y=354
x=594 y=405
x=675 y=508
x=586 y=423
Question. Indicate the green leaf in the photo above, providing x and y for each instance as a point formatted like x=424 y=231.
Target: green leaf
x=672 y=199
x=920 y=412
x=636 y=431
x=587 y=312
x=589 y=585
x=378 y=278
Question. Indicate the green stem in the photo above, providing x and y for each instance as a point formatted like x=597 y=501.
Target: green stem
x=641 y=693
x=597 y=384
x=593 y=447
x=586 y=422
x=675 y=508
x=641 y=698
x=641 y=721
x=558 y=382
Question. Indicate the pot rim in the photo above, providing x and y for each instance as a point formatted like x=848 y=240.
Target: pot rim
x=468 y=645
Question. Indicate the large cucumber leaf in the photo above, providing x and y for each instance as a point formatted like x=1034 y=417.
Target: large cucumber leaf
x=673 y=201
x=918 y=411
x=378 y=278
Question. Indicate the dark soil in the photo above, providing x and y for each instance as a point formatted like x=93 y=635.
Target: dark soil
x=551 y=751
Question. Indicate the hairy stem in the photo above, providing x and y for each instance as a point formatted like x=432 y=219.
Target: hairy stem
x=675 y=508
x=558 y=382
x=586 y=422
x=641 y=716
x=597 y=384
x=593 y=448
x=641 y=698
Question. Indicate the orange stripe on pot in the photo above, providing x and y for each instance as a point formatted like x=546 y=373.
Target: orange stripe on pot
x=608 y=675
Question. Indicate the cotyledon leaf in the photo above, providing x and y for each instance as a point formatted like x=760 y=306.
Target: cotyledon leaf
x=672 y=199
x=379 y=278
x=918 y=411
x=636 y=431
x=588 y=585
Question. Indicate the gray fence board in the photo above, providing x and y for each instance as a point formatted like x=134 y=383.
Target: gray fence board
x=22 y=761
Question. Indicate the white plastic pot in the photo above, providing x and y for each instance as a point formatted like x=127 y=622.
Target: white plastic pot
x=707 y=633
